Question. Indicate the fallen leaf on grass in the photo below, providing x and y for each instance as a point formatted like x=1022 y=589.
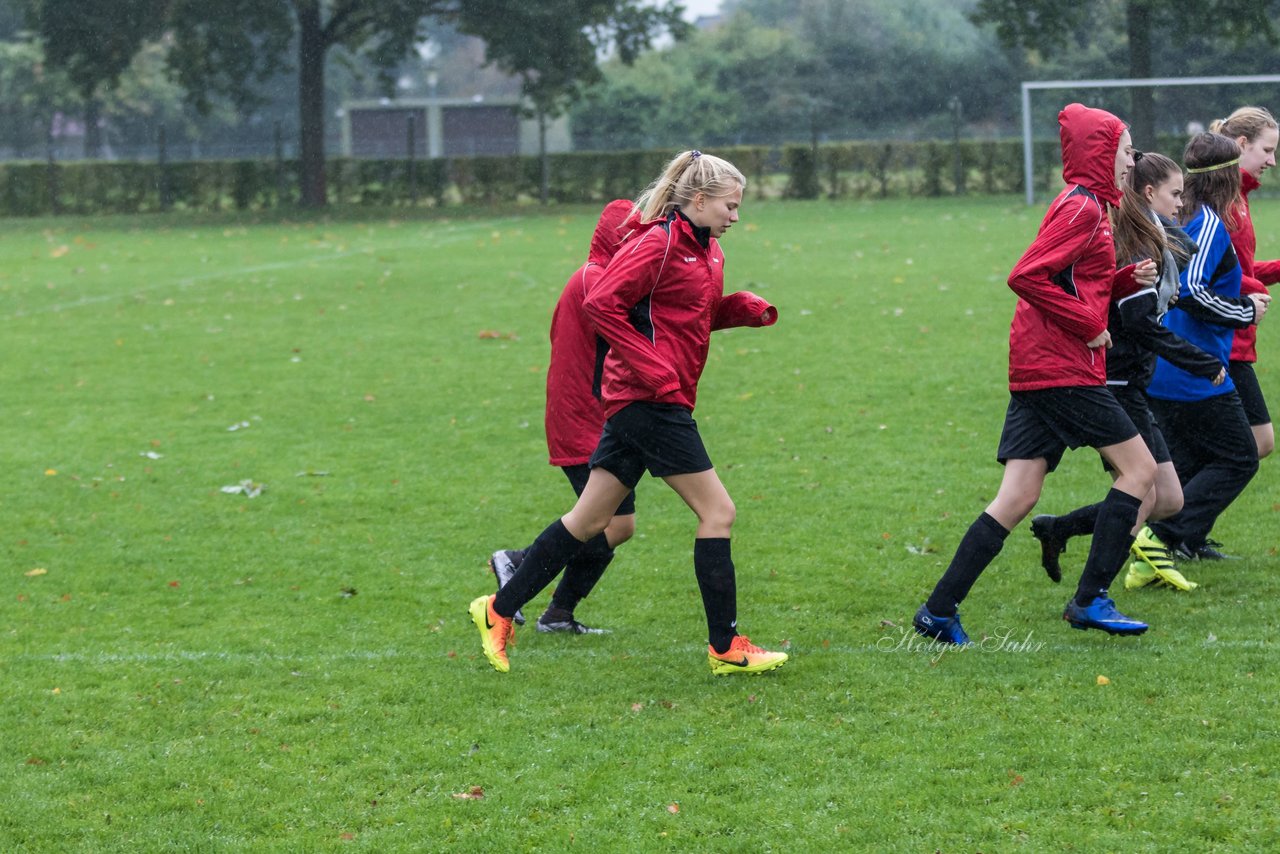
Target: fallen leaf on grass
x=673 y=808
x=39 y=570
x=494 y=334
x=637 y=707
x=1102 y=680
x=475 y=793
x=151 y=455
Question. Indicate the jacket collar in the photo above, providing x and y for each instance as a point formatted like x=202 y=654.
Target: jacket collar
x=1248 y=183
x=701 y=234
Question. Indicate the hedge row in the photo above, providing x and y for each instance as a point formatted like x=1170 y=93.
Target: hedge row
x=834 y=170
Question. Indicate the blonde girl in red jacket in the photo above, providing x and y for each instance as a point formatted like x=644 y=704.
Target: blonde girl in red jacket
x=1065 y=283
x=655 y=306
x=1255 y=131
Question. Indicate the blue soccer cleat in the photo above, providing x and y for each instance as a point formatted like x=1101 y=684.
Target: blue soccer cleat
x=1101 y=614
x=944 y=629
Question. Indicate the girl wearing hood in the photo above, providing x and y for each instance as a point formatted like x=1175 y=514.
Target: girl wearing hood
x=573 y=420
x=1145 y=226
x=656 y=306
x=1065 y=282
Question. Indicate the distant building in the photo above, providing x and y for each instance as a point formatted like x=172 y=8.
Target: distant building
x=445 y=127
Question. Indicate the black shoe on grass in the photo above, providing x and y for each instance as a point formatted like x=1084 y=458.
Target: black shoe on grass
x=1050 y=545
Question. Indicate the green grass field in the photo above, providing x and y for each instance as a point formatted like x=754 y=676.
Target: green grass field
x=184 y=668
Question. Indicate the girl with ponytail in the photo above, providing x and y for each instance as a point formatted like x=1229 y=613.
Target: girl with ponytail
x=1204 y=422
x=655 y=307
x=1256 y=132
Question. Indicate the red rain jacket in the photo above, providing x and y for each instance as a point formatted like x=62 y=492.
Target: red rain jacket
x=1067 y=278
x=1257 y=274
x=574 y=416
x=656 y=306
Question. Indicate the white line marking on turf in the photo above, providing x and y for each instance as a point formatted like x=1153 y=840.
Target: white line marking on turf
x=456 y=234
x=596 y=648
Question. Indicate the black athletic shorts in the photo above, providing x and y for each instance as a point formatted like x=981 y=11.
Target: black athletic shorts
x=659 y=437
x=578 y=478
x=1246 y=380
x=1134 y=401
x=1045 y=422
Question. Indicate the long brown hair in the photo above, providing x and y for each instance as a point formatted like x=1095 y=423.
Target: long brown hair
x=1136 y=234
x=1213 y=177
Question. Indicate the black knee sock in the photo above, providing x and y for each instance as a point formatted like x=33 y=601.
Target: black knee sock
x=714 y=567
x=582 y=573
x=1078 y=522
x=1112 y=538
x=979 y=546
x=551 y=550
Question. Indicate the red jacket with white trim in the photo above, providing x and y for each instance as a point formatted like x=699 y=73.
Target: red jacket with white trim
x=574 y=417
x=1257 y=274
x=656 y=305
x=1066 y=279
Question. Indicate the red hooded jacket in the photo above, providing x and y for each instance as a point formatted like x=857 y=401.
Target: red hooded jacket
x=656 y=306
x=1257 y=274
x=574 y=416
x=1067 y=278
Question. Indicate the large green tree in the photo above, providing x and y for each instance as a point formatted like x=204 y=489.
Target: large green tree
x=553 y=46
x=93 y=42
x=224 y=48
x=793 y=70
x=1151 y=28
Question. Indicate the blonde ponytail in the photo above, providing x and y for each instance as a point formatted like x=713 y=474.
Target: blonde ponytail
x=1245 y=122
x=688 y=173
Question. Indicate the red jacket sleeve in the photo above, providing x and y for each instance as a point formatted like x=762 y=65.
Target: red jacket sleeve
x=1267 y=272
x=630 y=277
x=1061 y=242
x=744 y=308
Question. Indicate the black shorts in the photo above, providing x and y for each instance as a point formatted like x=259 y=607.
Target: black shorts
x=1134 y=402
x=578 y=478
x=1246 y=380
x=659 y=437
x=1045 y=422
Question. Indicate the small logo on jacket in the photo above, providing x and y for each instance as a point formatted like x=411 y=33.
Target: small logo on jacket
x=690 y=259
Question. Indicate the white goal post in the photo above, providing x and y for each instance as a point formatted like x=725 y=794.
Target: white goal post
x=1029 y=85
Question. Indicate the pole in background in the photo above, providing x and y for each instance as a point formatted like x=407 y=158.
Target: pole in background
x=956 y=154
x=280 y=183
x=413 y=163
x=51 y=172
x=165 y=188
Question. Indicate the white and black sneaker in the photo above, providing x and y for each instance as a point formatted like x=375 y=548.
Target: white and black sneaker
x=557 y=622
x=504 y=564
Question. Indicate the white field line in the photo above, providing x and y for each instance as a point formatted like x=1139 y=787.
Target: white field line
x=456 y=234
x=594 y=648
